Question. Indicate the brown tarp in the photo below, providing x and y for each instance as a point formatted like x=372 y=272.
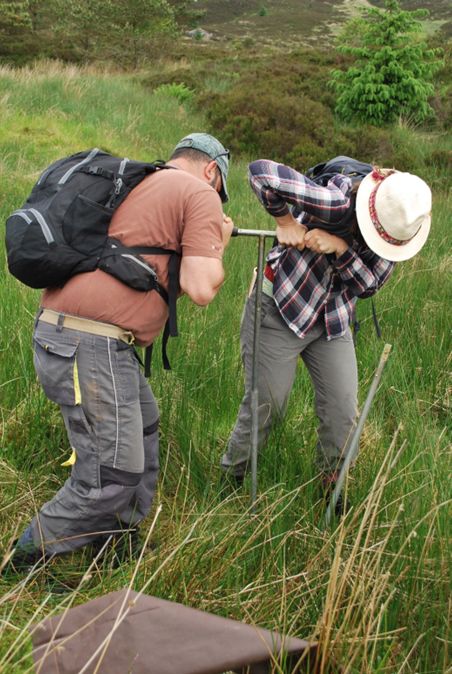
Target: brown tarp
x=127 y=633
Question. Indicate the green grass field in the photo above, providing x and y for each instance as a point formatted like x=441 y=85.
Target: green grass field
x=373 y=589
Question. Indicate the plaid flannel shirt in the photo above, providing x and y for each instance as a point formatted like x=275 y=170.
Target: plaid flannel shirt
x=308 y=286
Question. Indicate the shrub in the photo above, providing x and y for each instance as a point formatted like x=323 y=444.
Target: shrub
x=275 y=107
x=294 y=129
x=176 y=90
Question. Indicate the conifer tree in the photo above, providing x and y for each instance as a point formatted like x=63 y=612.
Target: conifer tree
x=135 y=24
x=80 y=27
x=14 y=16
x=392 y=70
x=15 y=30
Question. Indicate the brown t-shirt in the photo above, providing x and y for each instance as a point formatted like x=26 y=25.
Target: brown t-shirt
x=169 y=209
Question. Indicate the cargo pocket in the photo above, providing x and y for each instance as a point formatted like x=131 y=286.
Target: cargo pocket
x=85 y=468
x=56 y=366
x=127 y=372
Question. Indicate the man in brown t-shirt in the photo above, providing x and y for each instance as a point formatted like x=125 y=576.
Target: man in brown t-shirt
x=85 y=360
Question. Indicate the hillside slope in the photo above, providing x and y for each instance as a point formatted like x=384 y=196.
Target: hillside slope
x=301 y=20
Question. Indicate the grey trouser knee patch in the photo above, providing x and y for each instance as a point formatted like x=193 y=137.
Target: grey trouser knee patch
x=110 y=475
x=149 y=430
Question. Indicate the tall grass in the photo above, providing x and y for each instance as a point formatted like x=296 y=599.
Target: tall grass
x=372 y=588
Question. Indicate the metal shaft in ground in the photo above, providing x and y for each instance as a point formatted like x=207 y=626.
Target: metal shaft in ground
x=255 y=368
x=254 y=430
x=352 y=448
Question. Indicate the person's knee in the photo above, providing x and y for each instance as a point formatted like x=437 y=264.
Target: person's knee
x=125 y=478
x=151 y=429
x=151 y=447
x=348 y=400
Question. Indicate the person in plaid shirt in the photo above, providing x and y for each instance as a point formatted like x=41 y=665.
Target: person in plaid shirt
x=335 y=244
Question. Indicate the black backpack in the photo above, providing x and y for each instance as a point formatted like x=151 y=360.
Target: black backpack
x=356 y=170
x=62 y=228
x=323 y=172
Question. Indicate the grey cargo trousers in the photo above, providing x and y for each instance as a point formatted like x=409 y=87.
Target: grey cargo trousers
x=111 y=419
x=332 y=368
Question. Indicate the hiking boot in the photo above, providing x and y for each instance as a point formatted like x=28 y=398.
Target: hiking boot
x=24 y=556
x=328 y=485
x=129 y=544
x=230 y=484
x=123 y=546
x=342 y=506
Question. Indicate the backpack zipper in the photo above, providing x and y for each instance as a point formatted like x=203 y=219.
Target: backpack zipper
x=87 y=159
x=119 y=182
x=44 y=175
x=139 y=262
x=122 y=166
x=43 y=224
x=22 y=214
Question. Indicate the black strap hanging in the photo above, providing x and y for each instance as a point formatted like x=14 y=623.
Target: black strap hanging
x=147 y=360
x=173 y=292
x=375 y=318
x=170 y=298
x=356 y=328
x=149 y=351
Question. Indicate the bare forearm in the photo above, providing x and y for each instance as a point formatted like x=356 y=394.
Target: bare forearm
x=201 y=278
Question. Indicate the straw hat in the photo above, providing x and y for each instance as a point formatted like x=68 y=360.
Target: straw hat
x=393 y=210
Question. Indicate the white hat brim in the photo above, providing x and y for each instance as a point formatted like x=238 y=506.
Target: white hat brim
x=371 y=236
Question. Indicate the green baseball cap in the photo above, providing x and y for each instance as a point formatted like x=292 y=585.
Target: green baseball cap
x=212 y=147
